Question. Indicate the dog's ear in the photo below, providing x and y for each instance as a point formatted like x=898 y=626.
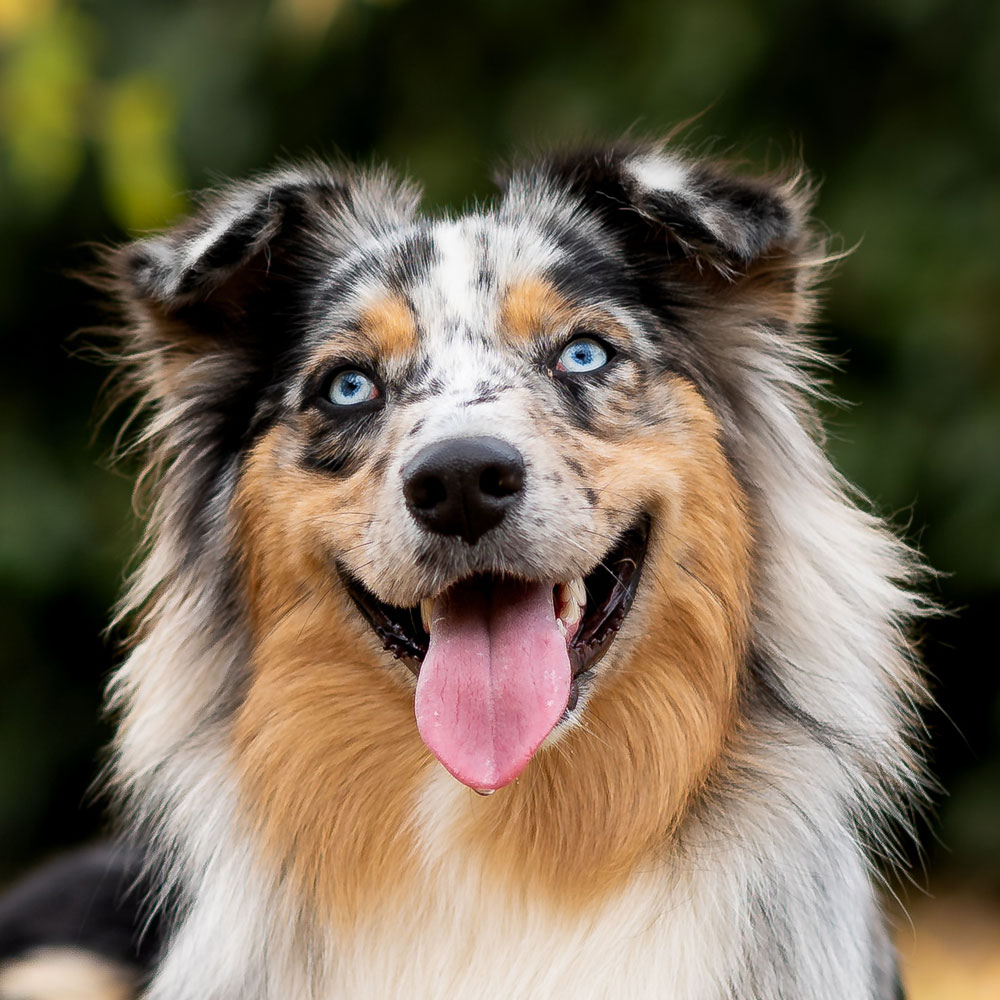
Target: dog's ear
x=666 y=207
x=234 y=232
x=222 y=292
x=244 y=242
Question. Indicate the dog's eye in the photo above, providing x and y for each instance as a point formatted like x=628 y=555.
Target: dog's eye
x=350 y=387
x=581 y=355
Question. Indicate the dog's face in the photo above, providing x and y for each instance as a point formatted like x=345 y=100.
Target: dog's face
x=474 y=470
x=477 y=450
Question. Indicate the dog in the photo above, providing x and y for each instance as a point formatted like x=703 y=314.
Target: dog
x=503 y=630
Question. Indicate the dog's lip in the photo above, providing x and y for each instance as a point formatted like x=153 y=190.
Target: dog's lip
x=611 y=587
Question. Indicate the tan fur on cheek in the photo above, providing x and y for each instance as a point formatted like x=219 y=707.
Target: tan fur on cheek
x=587 y=812
x=325 y=740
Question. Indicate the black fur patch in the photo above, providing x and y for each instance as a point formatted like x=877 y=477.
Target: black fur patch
x=94 y=899
x=337 y=446
x=749 y=218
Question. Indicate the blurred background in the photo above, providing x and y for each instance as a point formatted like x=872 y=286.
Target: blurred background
x=111 y=111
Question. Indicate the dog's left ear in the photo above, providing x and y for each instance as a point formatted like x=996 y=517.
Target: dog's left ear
x=662 y=204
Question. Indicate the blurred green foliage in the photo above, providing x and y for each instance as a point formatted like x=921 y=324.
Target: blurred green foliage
x=110 y=110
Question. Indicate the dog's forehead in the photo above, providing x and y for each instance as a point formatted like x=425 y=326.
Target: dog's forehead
x=475 y=259
x=451 y=276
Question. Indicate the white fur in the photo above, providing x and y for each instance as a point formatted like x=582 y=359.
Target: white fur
x=460 y=937
x=453 y=277
x=657 y=172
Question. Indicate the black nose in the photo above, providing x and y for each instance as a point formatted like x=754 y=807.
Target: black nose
x=463 y=486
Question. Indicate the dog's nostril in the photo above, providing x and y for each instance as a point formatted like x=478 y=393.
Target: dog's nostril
x=502 y=480
x=425 y=492
x=463 y=486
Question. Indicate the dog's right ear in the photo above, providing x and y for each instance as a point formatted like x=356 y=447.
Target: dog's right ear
x=253 y=234
x=226 y=286
x=235 y=231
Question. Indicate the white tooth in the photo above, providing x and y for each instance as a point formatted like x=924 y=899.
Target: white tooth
x=561 y=625
x=579 y=590
x=571 y=612
x=484 y=791
x=426 y=613
x=561 y=599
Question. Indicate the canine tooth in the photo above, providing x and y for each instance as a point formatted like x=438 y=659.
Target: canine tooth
x=572 y=611
x=561 y=625
x=426 y=613
x=570 y=600
x=561 y=598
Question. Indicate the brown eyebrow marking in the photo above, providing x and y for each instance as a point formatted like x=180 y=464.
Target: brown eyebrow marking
x=389 y=325
x=533 y=307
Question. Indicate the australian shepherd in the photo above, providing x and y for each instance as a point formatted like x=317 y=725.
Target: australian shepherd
x=504 y=630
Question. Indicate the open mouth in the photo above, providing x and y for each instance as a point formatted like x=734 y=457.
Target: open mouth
x=499 y=661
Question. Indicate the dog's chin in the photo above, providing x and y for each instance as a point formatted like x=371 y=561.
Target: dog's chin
x=499 y=660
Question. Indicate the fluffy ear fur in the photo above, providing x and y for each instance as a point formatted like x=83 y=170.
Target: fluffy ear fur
x=243 y=247
x=660 y=203
x=191 y=262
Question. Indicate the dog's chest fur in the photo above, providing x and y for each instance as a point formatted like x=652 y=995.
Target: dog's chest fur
x=466 y=941
x=458 y=935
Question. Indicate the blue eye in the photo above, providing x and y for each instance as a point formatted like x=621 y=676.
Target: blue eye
x=350 y=387
x=582 y=354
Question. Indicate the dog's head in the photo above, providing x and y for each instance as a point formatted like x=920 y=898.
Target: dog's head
x=485 y=465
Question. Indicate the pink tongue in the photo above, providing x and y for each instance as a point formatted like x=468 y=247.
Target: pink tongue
x=495 y=679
